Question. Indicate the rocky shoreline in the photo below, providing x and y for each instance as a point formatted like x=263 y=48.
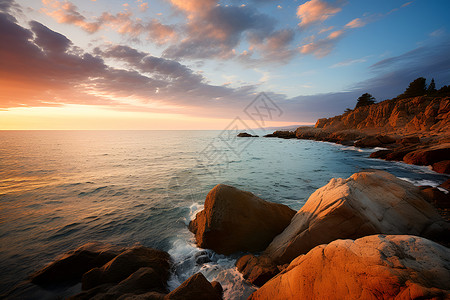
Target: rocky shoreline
x=415 y=131
x=371 y=235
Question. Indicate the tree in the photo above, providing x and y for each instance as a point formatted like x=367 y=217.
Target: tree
x=431 y=88
x=416 y=88
x=348 y=110
x=364 y=100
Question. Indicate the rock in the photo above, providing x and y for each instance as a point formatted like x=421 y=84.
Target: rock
x=126 y=263
x=373 y=267
x=72 y=265
x=442 y=167
x=235 y=220
x=381 y=154
x=257 y=270
x=217 y=287
x=428 y=156
x=282 y=134
x=245 y=134
x=446 y=185
x=195 y=287
x=409 y=140
x=145 y=296
x=436 y=197
x=385 y=139
x=368 y=142
x=142 y=281
x=367 y=203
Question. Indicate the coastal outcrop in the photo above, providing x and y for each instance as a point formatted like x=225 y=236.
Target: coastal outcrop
x=245 y=134
x=367 y=203
x=414 y=130
x=284 y=134
x=234 y=220
x=372 y=267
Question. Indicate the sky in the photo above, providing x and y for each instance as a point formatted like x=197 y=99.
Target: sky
x=202 y=64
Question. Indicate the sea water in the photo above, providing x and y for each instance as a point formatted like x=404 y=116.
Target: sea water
x=61 y=189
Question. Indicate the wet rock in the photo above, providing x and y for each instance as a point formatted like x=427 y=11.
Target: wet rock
x=195 y=287
x=72 y=265
x=235 y=220
x=126 y=263
x=372 y=267
x=257 y=270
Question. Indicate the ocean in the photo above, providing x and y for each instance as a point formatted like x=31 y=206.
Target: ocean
x=61 y=189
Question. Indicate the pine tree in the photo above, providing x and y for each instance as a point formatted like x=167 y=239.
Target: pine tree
x=364 y=100
x=416 y=88
x=431 y=88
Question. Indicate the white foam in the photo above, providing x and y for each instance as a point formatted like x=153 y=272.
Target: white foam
x=194 y=209
x=221 y=268
x=420 y=182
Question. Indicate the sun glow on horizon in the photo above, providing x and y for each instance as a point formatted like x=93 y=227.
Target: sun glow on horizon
x=88 y=117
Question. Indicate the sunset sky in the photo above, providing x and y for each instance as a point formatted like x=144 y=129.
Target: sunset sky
x=197 y=64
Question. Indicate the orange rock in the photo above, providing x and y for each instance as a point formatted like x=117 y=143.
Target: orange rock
x=367 y=203
x=442 y=167
x=428 y=156
x=257 y=270
x=235 y=220
x=372 y=267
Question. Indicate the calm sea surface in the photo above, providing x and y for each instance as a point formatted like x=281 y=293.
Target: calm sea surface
x=61 y=189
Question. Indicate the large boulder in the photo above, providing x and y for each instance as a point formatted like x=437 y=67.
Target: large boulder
x=72 y=265
x=367 y=203
x=127 y=263
x=234 y=220
x=373 y=267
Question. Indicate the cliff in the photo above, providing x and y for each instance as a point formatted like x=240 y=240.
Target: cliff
x=423 y=116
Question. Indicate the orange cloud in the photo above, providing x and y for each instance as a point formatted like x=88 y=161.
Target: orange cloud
x=122 y=22
x=315 y=11
x=66 y=12
x=322 y=47
x=194 y=6
x=355 y=23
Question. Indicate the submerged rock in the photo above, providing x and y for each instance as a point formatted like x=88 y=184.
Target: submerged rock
x=367 y=203
x=72 y=265
x=235 y=220
x=372 y=267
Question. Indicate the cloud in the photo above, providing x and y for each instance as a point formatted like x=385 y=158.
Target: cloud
x=314 y=11
x=122 y=22
x=218 y=31
x=326 y=30
x=67 y=12
x=348 y=62
x=322 y=47
x=355 y=23
x=42 y=68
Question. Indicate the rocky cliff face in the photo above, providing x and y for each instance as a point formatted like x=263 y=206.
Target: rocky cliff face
x=425 y=115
